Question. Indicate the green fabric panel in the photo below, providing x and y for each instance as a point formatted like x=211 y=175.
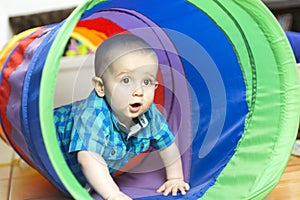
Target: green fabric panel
x=288 y=93
x=47 y=88
x=272 y=96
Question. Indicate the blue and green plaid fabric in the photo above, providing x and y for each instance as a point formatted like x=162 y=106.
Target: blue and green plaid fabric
x=90 y=125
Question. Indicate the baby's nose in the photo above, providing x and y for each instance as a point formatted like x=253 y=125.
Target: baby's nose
x=138 y=92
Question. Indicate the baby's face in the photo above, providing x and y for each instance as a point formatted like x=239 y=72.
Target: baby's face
x=129 y=85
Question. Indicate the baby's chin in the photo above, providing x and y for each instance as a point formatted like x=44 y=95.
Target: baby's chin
x=134 y=115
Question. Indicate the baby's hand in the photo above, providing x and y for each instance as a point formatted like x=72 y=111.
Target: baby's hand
x=174 y=185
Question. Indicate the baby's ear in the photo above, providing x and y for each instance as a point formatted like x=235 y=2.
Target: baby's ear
x=99 y=86
x=156 y=84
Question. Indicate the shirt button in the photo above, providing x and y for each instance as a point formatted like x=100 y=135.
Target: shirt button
x=113 y=152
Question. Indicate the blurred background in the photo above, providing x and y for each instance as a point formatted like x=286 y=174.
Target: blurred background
x=31 y=11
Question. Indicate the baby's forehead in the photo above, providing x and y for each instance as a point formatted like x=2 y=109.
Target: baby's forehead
x=128 y=51
x=135 y=61
x=118 y=46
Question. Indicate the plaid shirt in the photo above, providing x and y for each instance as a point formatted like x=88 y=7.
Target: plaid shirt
x=90 y=125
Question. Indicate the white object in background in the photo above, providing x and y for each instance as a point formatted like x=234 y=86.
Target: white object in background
x=296 y=149
x=74 y=79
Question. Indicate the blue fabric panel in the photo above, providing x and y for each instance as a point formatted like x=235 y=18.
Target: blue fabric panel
x=215 y=77
x=294 y=39
x=30 y=110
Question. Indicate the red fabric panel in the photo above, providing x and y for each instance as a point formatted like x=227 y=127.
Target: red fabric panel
x=105 y=26
x=15 y=60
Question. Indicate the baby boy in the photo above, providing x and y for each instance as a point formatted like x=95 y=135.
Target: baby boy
x=118 y=120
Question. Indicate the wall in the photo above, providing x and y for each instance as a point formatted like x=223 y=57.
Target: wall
x=10 y=8
x=75 y=74
x=4 y=28
x=74 y=79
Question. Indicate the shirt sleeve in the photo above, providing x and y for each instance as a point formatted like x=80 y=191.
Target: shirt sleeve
x=162 y=136
x=62 y=117
x=89 y=131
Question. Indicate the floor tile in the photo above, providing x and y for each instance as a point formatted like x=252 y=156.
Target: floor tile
x=18 y=181
x=23 y=170
x=4 y=187
x=6 y=152
x=27 y=184
x=6 y=156
x=5 y=172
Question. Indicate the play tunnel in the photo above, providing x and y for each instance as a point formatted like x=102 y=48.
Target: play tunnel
x=228 y=87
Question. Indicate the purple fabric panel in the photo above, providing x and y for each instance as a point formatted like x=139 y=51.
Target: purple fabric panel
x=14 y=102
x=139 y=185
x=177 y=103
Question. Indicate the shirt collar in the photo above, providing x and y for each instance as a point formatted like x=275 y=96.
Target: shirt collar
x=141 y=122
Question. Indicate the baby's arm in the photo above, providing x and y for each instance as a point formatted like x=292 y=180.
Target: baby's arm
x=95 y=170
x=175 y=180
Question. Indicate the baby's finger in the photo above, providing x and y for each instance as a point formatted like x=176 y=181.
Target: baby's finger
x=187 y=186
x=161 y=188
x=167 y=191
x=182 y=190
x=174 y=191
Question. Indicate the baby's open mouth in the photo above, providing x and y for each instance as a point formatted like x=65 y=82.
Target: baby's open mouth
x=135 y=107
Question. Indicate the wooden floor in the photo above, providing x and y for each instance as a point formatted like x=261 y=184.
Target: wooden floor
x=19 y=181
x=288 y=187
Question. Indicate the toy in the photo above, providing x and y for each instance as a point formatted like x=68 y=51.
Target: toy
x=230 y=92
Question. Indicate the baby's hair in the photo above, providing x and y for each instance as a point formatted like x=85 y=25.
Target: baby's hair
x=115 y=47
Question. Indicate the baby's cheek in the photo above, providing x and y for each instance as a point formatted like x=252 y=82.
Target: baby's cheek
x=121 y=92
x=120 y=96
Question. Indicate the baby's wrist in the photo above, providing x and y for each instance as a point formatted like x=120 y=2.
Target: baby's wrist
x=175 y=179
x=117 y=195
x=111 y=195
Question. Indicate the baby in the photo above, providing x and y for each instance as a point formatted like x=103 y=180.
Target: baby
x=118 y=120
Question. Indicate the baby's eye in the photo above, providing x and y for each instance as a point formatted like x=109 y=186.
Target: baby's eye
x=147 y=82
x=125 y=80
